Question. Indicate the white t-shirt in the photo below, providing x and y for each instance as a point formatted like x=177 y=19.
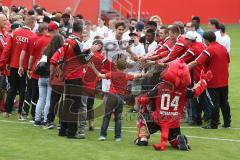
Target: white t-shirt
x=87 y=44
x=218 y=36
x=92 y=34
x=226 y=42
x=199 y=37
x=117 y=50
x=102 y=31
x=151 y=48
x=139 y=51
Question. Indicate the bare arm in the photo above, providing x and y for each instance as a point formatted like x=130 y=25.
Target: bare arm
x=22 y=56
x=30 y=61
x=192 y=65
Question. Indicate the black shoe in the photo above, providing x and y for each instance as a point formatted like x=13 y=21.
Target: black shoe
x=76 y=136
x=140 y=143
x=62 y=133
x=226 y=126
x=37 y=123
x=49 y=126
x=182 y=143
x=210 y=127
x=195 y=123
x=91 y=128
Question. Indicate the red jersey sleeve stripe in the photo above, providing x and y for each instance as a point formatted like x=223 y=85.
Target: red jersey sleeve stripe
x=180 y=44
x=191 y=52
x=206 y=52
x=167 y=47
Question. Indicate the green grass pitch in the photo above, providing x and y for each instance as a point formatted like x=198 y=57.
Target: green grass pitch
x=23 y=141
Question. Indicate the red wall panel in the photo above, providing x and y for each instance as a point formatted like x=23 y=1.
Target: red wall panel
x=227 y=11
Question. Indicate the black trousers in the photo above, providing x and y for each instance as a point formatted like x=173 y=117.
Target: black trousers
x=72 y=108
x=55 y=98
x=90 y=109
x=219 y=97
x=17 y=85
x=31 y=97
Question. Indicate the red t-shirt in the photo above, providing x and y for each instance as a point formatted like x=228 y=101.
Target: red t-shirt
x=119 y=82
x=29 y=47
x=42 y=42
x=90 y=79
x=216 y=58
x=13 y=49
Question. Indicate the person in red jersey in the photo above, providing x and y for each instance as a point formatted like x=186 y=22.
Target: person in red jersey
x=73 y=58
x=3 y=83
x=31 y=96
x=90 y=80
x=196 y=105
x=114 y=100
x=169 y=99
x=11 y=56
x=180 y=46
x=217 y=59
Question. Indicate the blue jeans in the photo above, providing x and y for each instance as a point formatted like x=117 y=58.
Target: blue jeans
x=43 y=103
x=112 y=103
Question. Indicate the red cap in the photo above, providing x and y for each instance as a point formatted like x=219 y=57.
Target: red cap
x=53 y=26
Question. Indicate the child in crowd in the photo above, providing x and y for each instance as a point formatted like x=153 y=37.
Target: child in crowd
x=114 y=99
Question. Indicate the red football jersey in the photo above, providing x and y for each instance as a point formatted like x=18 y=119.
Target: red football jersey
x=15 y=43
x=192 y=53
x=178 y=49
x=29 y=47
x=216 y=59
x=169 y=105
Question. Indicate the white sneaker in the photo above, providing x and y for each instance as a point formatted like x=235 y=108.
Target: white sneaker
x=118 y=139
x=101 y=138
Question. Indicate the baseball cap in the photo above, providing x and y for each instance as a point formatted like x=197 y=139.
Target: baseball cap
x=139 y=26
x=53 y=26
x=191 y=35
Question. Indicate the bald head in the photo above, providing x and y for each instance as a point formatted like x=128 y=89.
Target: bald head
x=68 y=10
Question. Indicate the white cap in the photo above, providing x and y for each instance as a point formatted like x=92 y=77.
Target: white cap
x=191 y=35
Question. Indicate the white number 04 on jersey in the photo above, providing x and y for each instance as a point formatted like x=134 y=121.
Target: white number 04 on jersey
x=166 y=104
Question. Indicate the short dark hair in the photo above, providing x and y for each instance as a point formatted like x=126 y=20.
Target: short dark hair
x=1 y=9
x=77 y=26
x=209 y=36
x=175 y=29
x=79 y=16
x=118 y=24
x=152 y=23
x=133 y=19
x=214 y=22
x=195 y=25
x=222 y=28
x=196 y=18
x=31 y=12
x=46 y=19
x=151 y=31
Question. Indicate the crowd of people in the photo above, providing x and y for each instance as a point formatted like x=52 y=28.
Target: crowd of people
x=57 y=63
